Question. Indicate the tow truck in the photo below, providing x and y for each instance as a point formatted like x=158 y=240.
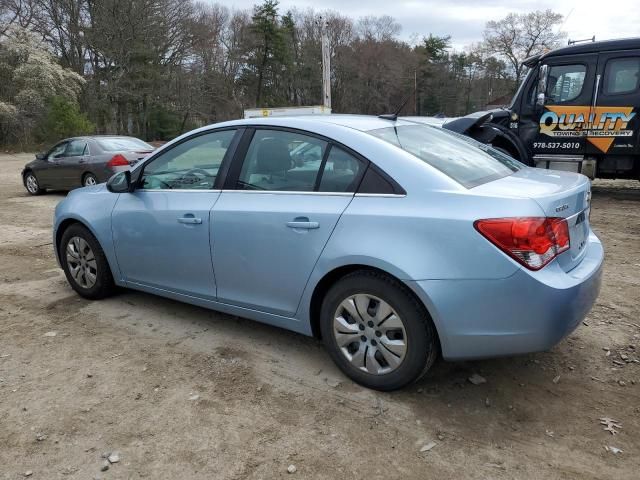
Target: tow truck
x=576 y=110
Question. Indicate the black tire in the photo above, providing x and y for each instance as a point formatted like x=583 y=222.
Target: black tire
x=87 y=178
x=104 y=285
x=32 y=185
x=422 y=346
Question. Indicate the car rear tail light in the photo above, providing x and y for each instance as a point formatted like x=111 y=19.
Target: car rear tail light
x=531 y=241
x=118 y=160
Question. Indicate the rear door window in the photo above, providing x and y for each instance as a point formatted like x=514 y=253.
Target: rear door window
x=341 y=172
x=467 y=162
x=75 y=148
x=621 y=75
x=282 y=160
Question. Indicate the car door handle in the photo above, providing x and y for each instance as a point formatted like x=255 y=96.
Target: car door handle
x=190 y=220
x=304 y=224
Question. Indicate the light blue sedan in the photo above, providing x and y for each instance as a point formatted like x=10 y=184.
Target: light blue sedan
x=393 y=242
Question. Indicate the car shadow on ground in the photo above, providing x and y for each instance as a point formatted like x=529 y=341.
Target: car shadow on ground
x=302 y=357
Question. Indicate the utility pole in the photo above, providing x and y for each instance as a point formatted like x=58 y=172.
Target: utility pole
x=326 y=65
x=415 y=91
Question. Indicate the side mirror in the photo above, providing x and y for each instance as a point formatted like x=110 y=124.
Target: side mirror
x=120 y=182
x=542 y=84
x=41 y=156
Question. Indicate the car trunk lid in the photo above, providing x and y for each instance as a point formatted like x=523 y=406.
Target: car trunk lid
x=134 y=157
x=559 y=194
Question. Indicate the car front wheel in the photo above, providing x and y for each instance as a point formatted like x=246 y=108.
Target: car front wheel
x=377 y=332
x=32 y=185
x=85 y=264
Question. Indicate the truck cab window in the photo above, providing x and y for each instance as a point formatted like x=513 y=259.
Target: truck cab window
x=622 y=75
x=565 y=83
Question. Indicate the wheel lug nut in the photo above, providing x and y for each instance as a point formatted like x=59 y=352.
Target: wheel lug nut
x=370 y=323
x=364 y=339
x=378 y=333
x=373 y=343
x=361 y=327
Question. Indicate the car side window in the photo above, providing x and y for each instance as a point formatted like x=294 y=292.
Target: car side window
x=622 y=75
x=565 y=82
x=75 y=148
x=341 y=171
x=282 y=160
x=58 y=151
x=192 y=164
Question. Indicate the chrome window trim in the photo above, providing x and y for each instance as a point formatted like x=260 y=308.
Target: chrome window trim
x=291 y=192
x=190 y=190
x=386 y=195
x=275 y=192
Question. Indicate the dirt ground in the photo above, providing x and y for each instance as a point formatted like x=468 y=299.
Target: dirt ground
x=183 y=392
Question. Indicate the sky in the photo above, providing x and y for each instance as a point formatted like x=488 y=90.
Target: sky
x=464 y=20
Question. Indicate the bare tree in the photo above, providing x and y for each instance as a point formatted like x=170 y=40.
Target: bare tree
x=15 y=12
x=380 y=29
x=519 y=36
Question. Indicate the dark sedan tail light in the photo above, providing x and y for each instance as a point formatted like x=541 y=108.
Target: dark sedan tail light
x=531 y=241
x=118 y=160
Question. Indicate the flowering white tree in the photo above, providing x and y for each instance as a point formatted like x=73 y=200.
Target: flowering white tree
x=29 y=77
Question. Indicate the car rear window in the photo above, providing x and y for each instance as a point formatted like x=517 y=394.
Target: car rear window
x=114 y=144
x=466 y=161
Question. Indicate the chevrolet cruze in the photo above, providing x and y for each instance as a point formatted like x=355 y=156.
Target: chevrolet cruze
x=394 y=242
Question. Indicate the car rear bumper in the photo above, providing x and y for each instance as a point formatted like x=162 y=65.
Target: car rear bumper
x=526 y=312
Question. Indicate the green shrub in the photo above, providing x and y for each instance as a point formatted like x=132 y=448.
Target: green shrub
x=163 y=124
x=64 y=119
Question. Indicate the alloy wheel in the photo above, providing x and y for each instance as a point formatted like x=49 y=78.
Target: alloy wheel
x=32 y=184
x=81 y=262
x=90 y=180
x=370 y=334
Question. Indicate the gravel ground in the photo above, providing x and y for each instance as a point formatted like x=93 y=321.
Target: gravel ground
x=182 y=392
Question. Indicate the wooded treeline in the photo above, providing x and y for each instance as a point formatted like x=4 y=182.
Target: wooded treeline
x=156 y=68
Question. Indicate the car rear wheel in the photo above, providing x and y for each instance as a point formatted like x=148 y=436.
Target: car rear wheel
x=377 y=332
x=32 y=185
x=89 y=180
x=85 y=264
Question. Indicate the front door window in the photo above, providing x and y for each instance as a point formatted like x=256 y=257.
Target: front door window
x=191 y=165
x=57 y=152
x=565 y=83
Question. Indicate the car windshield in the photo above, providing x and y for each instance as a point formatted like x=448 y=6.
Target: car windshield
x=114 y=144
x=466 y=161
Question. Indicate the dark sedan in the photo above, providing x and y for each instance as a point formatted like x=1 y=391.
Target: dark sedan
x=82 y=161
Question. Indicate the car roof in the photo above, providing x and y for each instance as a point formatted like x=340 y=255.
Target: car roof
x=98 y=137
x=433 y=121
x=362 y=123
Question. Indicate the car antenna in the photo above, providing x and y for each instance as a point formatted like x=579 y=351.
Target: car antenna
x=394 y=116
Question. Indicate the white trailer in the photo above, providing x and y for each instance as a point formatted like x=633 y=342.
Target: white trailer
x=286 y=111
